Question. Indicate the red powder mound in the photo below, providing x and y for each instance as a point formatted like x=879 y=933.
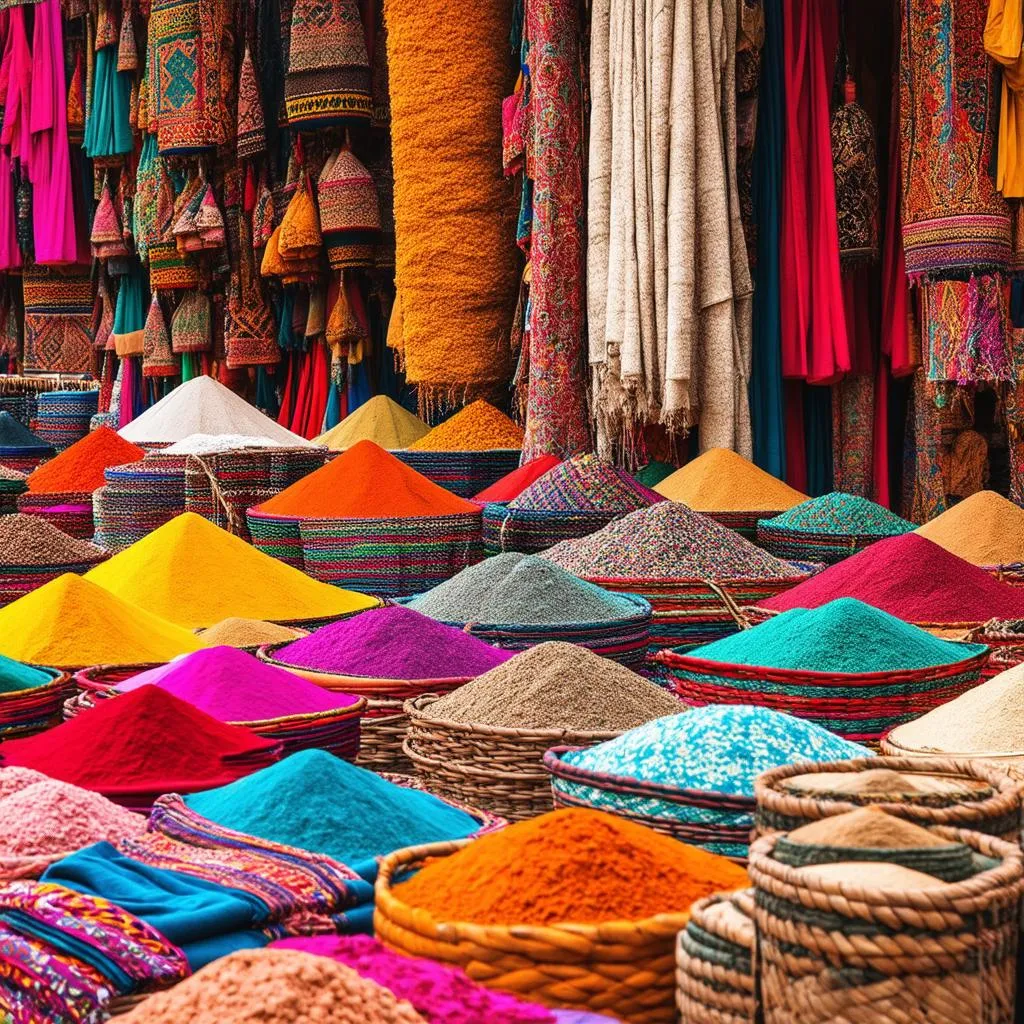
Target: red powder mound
x=913 y=579
x=80 y=467
x=141 y=745
x=512 y=485
x=366 y=482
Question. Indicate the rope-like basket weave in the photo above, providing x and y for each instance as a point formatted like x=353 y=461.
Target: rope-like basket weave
x=1009 y=761
x=986 y=799
x=17 y=581
x=137 y=499
x=462 y=473
x=1006 y=641
x=624 y=969
x=861 y=707
x=24 y=712
x=532 y=530
x=715 y=981
x=499 y=769
x=720 y=822
x=840 y=951
x=385 y=723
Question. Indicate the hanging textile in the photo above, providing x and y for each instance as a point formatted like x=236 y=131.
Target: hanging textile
x=814 y=341
x=58 y=319
x=953 y=217
x=1004 y=34
x=853 y=412
x=556 y=402
x=923 y=486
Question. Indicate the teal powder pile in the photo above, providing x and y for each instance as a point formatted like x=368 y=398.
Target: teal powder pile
x=320 y=803
x=15 y=676
x=845 y=635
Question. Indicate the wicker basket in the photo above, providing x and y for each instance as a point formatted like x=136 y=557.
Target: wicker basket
x=837 y=951
x=1009 y=761
x=385 y=722
x=715 y=981
x=621 y=968
x=25 y=712
x=499 y=769
x=719 y=822
x=462 y=473
x=987 y=800
x=530 y=530
x=860 y=707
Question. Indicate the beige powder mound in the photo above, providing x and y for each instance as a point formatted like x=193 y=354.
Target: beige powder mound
x=236 y=632
x=867 y=828
x=880 y=783
x=274 y=986
x=988 y=719
x=869 y=874
x=986 y=529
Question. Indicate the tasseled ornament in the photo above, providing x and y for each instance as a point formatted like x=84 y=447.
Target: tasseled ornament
x=344 y=331
x=190 y=325
x=855 y=168
x=252 y=133
x=210 y=221
x=158 y=360
x=107 y=236
x=300 y=237
x=316 y=316
x=127 y=49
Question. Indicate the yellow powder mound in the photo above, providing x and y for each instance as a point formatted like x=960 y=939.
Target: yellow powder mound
x=477 y=428
x=722 y=481
x=986 y=529
x=72 y=623
x=194 y=574
x=380 y=420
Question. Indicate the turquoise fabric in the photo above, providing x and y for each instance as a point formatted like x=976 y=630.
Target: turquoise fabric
x=108 y=131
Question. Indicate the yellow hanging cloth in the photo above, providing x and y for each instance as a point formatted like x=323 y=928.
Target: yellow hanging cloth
x=1004 y=36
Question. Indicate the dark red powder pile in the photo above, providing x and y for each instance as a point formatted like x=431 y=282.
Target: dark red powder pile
x=913 y=579
x=141 y=745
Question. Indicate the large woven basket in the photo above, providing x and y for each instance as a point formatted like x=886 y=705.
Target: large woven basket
x=499 y=769
x=462 y=473
x=1010 y=761
x=804 y=546
x=715 y=979
x=624 y=969
x=720 y=822
x=385 y=723
x=17 y=581
x=981 y=797
x=861 y=707
x=530 y=530
x=838 y=951
x=25 y=712
x=137 y=498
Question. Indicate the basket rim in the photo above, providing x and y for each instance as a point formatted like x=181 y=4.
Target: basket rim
x=671 y=659
x=558 y=769
x=448 y=930
x=59 y=679
x=723 y=581
x=902 y=751
x=413 y=710
x=763 y=613
x=299 y=521
x=454 y=451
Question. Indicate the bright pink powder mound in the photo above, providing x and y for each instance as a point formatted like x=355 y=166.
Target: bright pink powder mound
x=441 y=994
x=14 y=779
x=912 y=578
x=233 y=686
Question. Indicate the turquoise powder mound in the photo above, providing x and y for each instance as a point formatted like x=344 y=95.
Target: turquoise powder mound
x=15 y=676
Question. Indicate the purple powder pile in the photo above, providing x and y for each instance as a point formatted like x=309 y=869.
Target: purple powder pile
x=393 y=643
x=441 y=994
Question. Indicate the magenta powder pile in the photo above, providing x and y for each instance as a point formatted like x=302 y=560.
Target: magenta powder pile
x=233 y=686
x=440 y=994
x=43 y=817
x=393 y=643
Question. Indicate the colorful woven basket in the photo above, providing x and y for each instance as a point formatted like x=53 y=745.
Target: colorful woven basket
x=719 y=822
x=621 y=968
x=16 y=581
x=138 y=498
x=715 y=976
x=964 y=794
x=385 y=723
x=24 y=712
x=861 y=707
x=12 y=484
x=832 y=950
x=25 y=459
x=530 y=530
x=462 y=473
x=488 y=766
x=62 y=417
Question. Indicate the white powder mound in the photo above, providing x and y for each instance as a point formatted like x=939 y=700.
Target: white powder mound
x=203 y=406
x=206 y=444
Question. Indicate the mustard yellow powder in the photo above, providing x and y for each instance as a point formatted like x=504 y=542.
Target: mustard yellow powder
x=722 y=481
x=380 y=420
x=193 y=573
x=985 y=529
x=477 y=428
x=72 y=623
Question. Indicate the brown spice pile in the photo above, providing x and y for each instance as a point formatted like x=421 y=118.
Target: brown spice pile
x=275 y=986
x=867 y=828
x=236 y=632
x=558 y=686
x=29 y=540
x=871 y=874
x=883 y=783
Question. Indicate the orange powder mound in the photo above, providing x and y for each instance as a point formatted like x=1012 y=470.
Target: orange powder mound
x=722 y=481
x=366 y=482
x=80 y=467
x=477 y=428
x=985 y=529
x=574 y=865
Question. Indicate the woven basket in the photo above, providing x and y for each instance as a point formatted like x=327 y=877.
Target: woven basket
x=530 y=531
x=837 y=951
x=1009 y=761
x=860 y=707
x=1011 y=574
x=803 y=546
x=137 y=498
x=499 y=769
x=17 y=581
x=462 y=473
x=719 y=822
x=744 y=523
x=621 y=968
x=715 y=982
x=390 y=557
x=385 y=723
x=277 y=536
x=25 y=712
x=755 y=615
x=988 y=800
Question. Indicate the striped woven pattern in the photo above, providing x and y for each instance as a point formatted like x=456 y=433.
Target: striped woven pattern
x=24 y=712
x=63 y=417
x=530 y=531
x=138 y=498
x=585 y=483
x=462 y=473
x=75 y=518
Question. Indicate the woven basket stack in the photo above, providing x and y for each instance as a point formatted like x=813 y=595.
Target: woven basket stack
x=533 y=530
x=138 y=498
x=715 y=981
x=1005 y=640
x=18 y=580
x=620 y=968
x=12 y=483
x=462 y=473
x=25 y=458
x=62 y=417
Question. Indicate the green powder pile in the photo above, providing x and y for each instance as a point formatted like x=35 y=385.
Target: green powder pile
x=845 y=635
x=15 y=676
